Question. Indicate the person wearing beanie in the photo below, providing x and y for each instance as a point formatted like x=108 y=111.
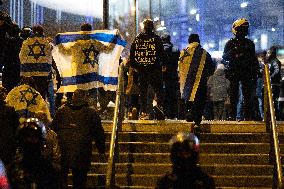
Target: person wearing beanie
x=217 y=90
x=77 y=125
x=195 y=66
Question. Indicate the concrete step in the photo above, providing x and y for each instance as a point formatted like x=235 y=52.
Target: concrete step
x=159 y=147
x=159 y=169
x=151 y=180
x=205 y=137
x=174 y=126
x=230 y=159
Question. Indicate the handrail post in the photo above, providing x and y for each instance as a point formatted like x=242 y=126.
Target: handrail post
x=117 y=123
x=273 y=130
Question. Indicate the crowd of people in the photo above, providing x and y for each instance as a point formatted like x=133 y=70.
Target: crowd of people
x=42 y=140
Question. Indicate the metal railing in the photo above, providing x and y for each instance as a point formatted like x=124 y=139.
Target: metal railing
x=117 y=123
x=271 y=127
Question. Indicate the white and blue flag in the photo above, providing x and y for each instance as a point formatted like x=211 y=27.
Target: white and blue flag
x=87 y=60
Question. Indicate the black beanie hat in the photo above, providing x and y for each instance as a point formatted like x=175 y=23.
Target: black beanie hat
x=193 y=38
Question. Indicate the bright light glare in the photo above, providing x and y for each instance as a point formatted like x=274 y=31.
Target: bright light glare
x=156 y=19
x=193 y=11
x=190 y=29
x=273 y=29
x=162 y=23
x=161 y=28
x=263 y=41
x=255 y=40
x=244 y=4
x=174 y=33
x=197 y=17
x=82 y=7
x=133 y=8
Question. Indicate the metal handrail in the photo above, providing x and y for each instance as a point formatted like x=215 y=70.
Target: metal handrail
x=271 y=126
x=117 y=122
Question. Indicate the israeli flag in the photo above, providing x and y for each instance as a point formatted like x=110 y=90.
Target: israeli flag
x=85 y=63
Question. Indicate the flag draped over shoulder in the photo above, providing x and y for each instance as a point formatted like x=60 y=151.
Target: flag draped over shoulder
x=87 y=60
x=191 y=66
x=27 y=102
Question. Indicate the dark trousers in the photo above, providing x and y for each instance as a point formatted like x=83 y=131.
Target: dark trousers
x=171 y=99
x=275 y=94
x=195 y=109
x=79 y=177
x=218 y=109
x=248 y=91
x=42 y=85
x=151 y=77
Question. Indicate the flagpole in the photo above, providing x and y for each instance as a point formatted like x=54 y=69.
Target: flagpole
x=106 y=14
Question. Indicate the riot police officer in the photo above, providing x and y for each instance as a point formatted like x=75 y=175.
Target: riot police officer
x=241 y=67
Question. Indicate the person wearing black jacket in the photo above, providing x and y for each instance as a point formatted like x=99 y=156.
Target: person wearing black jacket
x=170 y=78
x=241 y=67
x=147 y=57
x=77 y=125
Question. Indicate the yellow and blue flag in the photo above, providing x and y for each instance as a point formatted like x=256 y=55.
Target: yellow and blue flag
x=87 y=60
x=191 y=65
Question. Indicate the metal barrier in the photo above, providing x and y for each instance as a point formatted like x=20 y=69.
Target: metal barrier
x=271 y=127
x=117 y=123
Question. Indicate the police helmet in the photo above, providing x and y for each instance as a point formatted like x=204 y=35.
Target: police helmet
x=33 y=128
x=148 y=24
x=184 y=142
x=242 y=22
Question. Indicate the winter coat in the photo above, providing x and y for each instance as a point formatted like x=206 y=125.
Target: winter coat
x=171 y=65
x=218 y=86
x=240 y=59
x=147 y=51
x=77 y=126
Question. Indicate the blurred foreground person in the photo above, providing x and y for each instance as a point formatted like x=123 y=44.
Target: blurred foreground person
x=30 y=168
x=185 y=173
x=3 y=177
x=77 y=125
x=9 y=123
x=241 y=68
x=195 y=67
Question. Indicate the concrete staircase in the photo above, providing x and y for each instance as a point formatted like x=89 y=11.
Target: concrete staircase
x=234 y=153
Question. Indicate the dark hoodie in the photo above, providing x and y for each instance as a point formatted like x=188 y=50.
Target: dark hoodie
x=77 y=125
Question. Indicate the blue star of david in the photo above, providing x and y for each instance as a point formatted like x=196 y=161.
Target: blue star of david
x=24 y=98
x=91 y=58
x=32 y=50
